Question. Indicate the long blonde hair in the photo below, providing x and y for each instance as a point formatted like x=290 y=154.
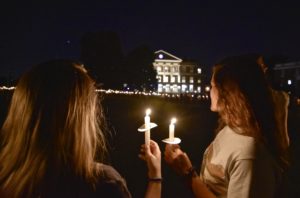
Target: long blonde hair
x=52 y=123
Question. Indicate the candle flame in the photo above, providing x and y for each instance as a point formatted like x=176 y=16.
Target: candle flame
x=148 y=111
x=173 y=120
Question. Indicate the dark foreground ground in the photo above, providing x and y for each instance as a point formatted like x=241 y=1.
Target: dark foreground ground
x=195 y=126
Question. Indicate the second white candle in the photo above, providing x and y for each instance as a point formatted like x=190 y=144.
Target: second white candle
x=172 y=129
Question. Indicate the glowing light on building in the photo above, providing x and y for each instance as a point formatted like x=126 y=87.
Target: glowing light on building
x=191 y=89
x=183 y=88
x=207 y=88
x=199 y=89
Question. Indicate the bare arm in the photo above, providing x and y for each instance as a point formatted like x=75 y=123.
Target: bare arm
x=181 y=164
x=152 y=155
x=153 y=190
x=199 y=188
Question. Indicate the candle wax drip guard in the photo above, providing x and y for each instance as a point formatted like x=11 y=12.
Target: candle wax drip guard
x=143 y=127
x=169 y=141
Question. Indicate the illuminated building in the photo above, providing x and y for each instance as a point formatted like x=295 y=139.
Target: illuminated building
x=175 y=75
x=287 y=76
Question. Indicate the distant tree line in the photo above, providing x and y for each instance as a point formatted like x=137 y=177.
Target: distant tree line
x=102 y=54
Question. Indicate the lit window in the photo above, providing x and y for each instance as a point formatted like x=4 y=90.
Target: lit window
x=175 y=88
x=158 y=69
x=161 y=56
x=199 y=70
x=167 y=88
x=183 y=88
x=158 y=78
x=199 y=89
x=199 y=80
x=191 y=79
x=173 y=79
x=166 y=69
x=289 y=82
x=183 y=79
x=166 y=78
x=160 y=87
x=191 y=88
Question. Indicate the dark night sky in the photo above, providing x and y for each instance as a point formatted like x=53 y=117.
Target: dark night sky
x=201 y=30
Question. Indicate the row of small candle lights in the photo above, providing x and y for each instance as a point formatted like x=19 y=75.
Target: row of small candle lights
x=151 y=93
x=148 y=126
x=6 y=88
x=110 y=91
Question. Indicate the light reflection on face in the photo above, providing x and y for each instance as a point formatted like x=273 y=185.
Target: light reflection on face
x=214 y=97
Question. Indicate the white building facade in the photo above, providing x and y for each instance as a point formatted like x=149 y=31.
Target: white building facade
x=288 y=77
x=176 y=76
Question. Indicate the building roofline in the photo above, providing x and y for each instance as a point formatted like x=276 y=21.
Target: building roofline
x=179 y=59
x=290 y=65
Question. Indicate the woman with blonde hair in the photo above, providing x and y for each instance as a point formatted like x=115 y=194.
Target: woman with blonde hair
x=247 y=157
x=52 y=135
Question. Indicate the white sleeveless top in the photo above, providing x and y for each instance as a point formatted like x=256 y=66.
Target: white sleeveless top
x=236 y=166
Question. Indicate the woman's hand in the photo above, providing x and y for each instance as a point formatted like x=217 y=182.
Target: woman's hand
x=177 y=159
x=152 y=155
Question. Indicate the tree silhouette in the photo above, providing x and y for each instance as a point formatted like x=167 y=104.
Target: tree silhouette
x=102 y=54
x=138 y=66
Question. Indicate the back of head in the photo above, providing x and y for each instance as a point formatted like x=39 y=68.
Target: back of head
x=52 y=125
x=246 y=100
x=267 y=65
x=242 y=91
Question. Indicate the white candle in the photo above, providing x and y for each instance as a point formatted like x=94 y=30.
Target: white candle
x=172 y=129
x=147 y=126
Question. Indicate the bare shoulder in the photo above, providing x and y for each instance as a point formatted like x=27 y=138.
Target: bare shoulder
x=110 y=182
x=107 y=172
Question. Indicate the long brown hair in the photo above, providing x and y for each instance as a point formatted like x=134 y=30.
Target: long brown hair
x=246 y=103
x=52 y=123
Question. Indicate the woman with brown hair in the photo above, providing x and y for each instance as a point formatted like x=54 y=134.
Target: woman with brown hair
x=52 y=135
x=247 y=157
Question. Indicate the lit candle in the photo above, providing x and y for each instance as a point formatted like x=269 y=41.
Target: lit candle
x=172 y=129
x=147 y=126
